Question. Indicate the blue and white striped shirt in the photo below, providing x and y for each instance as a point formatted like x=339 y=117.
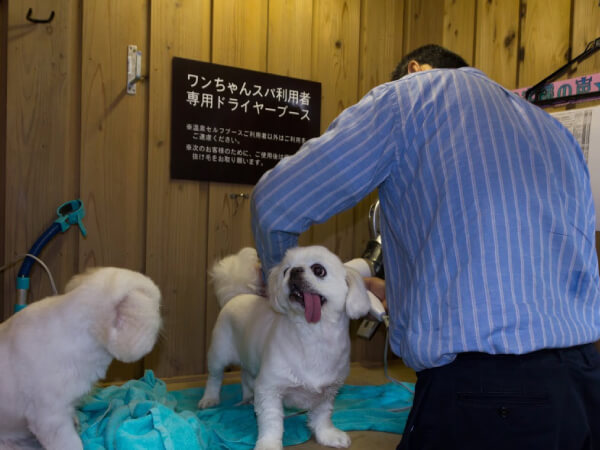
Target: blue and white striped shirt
x=487 y=217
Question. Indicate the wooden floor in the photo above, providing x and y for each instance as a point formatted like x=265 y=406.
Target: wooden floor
x=360 y=374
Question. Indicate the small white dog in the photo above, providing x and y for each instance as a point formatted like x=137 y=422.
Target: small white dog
x=54 y=350
x=293 y=349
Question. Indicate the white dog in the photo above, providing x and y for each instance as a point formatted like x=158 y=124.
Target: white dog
x=54 y=350
x=293 y=349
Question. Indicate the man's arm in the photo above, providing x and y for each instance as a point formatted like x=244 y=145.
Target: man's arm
x=328 y=175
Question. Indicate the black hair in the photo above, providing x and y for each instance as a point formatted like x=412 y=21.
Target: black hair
x=436 y=56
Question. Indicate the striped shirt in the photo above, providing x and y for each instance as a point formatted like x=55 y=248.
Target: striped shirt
x=487 y=217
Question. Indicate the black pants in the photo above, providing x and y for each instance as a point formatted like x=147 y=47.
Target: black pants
x=546 y=400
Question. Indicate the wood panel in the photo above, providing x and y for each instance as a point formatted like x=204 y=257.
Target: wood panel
x=240 y=33
x=42 y=139
x=290 y=31
x=497 y=42
x=459 y=28
x=176 y=210
x=545 y=37
x=450 y=23
x=114 y=135
x=239 y=40
x=228 y=231
x=289 y=51
x=3 y=39
x=335 y=50
x=288 y=46
x=381 y=44
x=423 y=23
x=381 y=48
x=586 y=28
x=113 y=143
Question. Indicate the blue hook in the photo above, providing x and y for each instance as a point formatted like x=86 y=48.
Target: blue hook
x=71 y=213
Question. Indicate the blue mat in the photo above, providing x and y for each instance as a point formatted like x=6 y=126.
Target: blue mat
x=142 y=414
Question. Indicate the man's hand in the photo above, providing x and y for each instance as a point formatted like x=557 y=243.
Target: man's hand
x=377 y=286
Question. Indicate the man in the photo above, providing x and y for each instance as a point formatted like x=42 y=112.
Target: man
x=487 y=223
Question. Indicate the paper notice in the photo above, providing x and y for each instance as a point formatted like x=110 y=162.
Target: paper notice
x=584 y=124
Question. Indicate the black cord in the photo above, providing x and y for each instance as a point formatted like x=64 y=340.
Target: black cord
x=534 y=92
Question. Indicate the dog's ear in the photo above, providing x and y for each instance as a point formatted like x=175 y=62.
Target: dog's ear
x=275 y=291
x=357 y=300
x=126 y=308
x=135 y=325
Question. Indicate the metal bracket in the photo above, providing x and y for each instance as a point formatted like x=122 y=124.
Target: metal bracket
x=243 y=196
x=134 y=68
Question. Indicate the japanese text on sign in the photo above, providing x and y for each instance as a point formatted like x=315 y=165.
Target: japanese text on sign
x=232 y=124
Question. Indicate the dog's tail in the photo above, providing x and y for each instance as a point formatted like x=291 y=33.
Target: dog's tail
x=237 y=274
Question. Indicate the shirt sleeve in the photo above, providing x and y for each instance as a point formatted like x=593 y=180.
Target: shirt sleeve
x=327 y=175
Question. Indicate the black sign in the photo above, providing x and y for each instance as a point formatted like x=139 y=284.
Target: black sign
x=232 y=125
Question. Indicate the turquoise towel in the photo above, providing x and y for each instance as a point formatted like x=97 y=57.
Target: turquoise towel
x=142 y=414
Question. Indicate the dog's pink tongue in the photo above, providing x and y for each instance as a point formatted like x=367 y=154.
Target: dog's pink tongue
x=312 y=307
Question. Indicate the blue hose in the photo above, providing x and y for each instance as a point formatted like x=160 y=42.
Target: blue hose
x=37 y=248
x=69 y=213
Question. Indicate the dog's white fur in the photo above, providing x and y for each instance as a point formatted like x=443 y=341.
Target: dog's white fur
x=285 y=360
x=54 y=350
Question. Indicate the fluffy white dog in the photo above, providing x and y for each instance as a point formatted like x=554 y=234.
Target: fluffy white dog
x=293 y=349
x=53 y=351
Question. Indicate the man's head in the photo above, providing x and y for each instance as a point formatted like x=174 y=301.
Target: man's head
x=427 y=57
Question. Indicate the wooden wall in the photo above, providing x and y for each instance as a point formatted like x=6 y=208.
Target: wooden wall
x=68 y=130
x=3 y=37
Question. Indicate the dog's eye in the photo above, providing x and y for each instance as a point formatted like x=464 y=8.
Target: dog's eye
x=318 y=270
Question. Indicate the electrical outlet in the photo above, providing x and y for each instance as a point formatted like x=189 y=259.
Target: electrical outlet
x=367 y=328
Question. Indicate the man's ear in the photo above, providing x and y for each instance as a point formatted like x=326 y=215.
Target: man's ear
x=415 y=66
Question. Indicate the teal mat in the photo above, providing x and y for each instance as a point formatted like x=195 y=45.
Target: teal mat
x=142 y=414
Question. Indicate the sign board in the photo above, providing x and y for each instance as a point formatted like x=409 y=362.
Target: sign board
x=232 y=125
x=574 y=90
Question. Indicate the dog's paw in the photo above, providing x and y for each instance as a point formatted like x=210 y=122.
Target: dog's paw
x=268 y=444
x=332 y=437
x=207 y=402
